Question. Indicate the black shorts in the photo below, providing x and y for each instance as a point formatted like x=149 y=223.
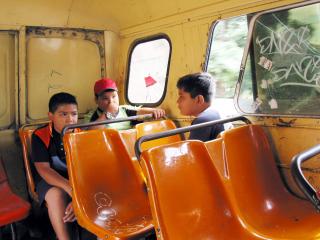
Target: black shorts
x=42 y=188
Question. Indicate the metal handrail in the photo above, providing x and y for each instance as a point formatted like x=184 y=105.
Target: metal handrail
x=168 y=133
x=34 y=124
x=96 y=123
x=299 y=178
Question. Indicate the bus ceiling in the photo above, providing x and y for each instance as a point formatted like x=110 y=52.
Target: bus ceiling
x=114 y=15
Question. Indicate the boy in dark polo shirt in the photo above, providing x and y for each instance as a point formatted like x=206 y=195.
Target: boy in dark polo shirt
x=49 y=160
x=195 y=95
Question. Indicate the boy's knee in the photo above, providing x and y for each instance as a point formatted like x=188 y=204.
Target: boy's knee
x=55 y=195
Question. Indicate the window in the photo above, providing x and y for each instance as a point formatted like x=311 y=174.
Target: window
x=284 y=78
x=148 y=71
x=227 y=44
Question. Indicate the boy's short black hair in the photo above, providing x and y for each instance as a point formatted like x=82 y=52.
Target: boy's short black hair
x=198 y=84
x=60 y=99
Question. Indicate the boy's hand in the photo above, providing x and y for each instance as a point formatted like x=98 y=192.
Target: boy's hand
x=69 y=214
x=158 y=113
x=69 y=190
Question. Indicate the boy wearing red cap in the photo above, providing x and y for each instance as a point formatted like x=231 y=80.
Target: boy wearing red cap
x=107 y=99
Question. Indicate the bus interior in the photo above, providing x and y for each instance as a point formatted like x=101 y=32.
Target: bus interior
x=258 y=180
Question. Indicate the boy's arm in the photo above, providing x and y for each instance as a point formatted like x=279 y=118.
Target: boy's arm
x=95 y=117
x=41 y=158
x=52 y=177
x=102 y=117
x=156 y=112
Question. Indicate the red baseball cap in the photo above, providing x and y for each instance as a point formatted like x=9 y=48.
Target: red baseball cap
x=103 y=85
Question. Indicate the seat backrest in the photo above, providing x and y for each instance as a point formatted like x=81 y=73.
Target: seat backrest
x=188 y=200
x=109 y=195
x=129 y=138
x=216 y=150
x=12 y=207
x=146 y=128
x=256 y=188
x=25 y=137
x=252 y=169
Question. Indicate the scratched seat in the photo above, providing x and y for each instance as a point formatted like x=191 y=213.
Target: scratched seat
x=146 y=128
x=257 y=192
x=12 y=207
x=109 y=196
x=25 y=133
x=188 y=199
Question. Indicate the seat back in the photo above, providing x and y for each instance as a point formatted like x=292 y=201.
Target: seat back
x=216 y=150
x=146 y=128
x=25 y=138
x=252 y=169
x=129 y=137
x=12 y=207
x=109 y=196
x=188 y=200
x=256 y=188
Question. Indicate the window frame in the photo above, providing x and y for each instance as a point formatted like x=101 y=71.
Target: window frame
x=209 y=48
x=134 y=44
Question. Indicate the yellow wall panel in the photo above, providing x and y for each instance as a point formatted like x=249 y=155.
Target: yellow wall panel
x=7 y=78
x=112 y=51
x=55 y=65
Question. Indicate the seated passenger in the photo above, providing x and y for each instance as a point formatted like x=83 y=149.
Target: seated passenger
x=48 y=156
x=195 y=95
x=107 y=99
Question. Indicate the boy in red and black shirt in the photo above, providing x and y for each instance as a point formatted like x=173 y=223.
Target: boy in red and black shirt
x=48 y=156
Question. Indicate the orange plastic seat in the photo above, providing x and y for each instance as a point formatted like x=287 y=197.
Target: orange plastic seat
x=188 y=199
x=129 y=137
x=257 y=192
x=146 y=128
x=25 y=137
x=216 y=151
x=109 y=196
x=12 y=207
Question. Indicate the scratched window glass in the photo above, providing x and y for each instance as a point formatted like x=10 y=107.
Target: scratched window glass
x=285 y=76
x=148 y=71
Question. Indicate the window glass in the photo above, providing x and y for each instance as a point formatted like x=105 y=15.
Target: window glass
x=228 y=41
x=148 y=71
x=284 y=78
x=7 y=78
